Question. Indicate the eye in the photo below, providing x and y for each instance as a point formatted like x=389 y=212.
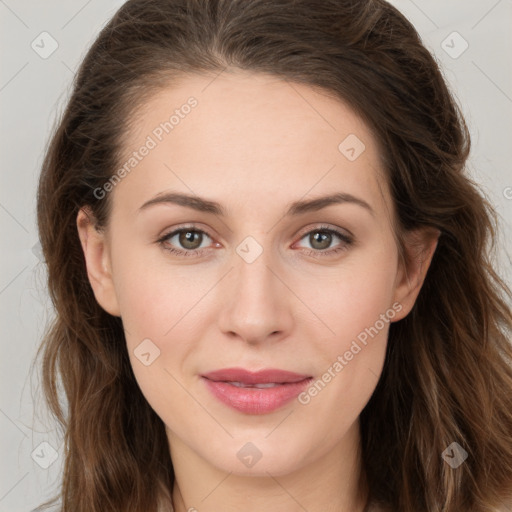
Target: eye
x=320 y=240
x=190 y=239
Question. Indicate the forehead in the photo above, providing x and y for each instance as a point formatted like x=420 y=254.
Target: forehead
x=255 y=138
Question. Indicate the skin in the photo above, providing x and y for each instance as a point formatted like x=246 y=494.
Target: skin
x=255 y=144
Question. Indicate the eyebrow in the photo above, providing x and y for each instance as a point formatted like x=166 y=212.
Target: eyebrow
x=296 y=208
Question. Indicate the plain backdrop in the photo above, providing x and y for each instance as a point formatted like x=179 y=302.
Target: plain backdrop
x=41 y=46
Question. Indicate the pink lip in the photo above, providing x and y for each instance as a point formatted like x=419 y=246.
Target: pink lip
x=251 y=400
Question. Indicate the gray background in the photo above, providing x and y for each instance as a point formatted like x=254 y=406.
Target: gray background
x=33 y=89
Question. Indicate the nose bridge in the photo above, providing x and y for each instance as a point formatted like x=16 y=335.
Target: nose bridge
x=255 y=287
x=258 y=303
x=255 y=280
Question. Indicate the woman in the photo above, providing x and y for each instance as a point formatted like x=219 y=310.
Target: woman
x=212 y=361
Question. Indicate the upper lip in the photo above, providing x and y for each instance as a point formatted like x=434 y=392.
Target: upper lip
x=259 y=377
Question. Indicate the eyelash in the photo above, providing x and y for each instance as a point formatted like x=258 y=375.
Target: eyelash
x=347 y=241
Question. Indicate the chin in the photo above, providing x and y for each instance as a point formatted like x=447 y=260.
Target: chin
x=259 y=458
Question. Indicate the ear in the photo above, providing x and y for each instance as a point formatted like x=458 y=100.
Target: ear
x=97 y=259
x=419 y=247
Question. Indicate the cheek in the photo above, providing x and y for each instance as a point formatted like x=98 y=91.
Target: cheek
x=154 y=306
x=154 y=298
x=358 y=309
x=353 y=300
x=161 y=310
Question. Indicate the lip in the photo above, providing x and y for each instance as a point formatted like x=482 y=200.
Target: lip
x=252 y=400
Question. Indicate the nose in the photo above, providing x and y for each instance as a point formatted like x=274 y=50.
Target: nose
x=256 y=302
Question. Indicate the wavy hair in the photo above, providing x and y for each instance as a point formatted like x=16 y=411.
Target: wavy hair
x=447 y=375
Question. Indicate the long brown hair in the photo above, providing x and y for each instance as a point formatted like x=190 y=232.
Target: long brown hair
x=447 y=375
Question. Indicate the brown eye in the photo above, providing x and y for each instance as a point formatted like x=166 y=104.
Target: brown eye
x=189 y=239
x=320 y=239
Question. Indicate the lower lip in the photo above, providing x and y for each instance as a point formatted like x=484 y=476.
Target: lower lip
x=256 y=400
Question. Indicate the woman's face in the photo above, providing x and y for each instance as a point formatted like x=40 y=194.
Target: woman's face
x=271 y=276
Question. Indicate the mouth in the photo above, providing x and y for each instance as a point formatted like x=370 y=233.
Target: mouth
x=258 y=392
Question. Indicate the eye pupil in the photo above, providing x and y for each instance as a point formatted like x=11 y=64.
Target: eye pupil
x=187 y=237
x=321 y=236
